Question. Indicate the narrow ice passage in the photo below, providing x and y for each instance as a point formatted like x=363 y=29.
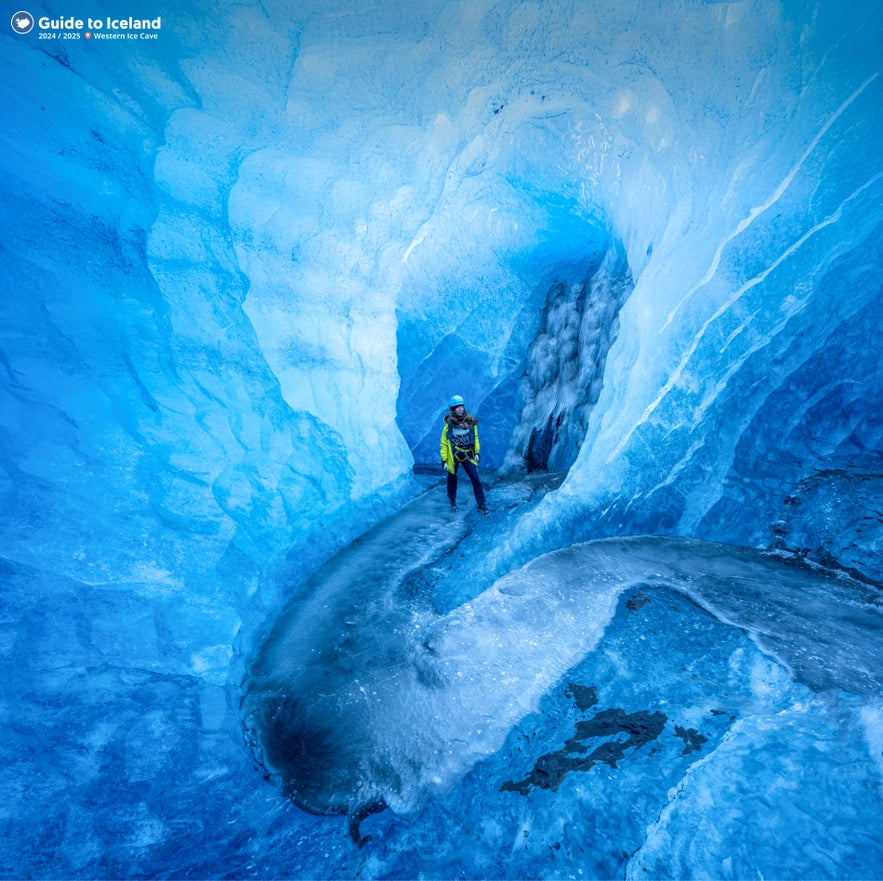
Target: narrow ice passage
x=384 y=681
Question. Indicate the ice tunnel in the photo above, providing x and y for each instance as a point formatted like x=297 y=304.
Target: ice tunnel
x=247 y=260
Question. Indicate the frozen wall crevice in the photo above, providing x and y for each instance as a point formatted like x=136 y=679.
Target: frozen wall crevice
x=565 y=365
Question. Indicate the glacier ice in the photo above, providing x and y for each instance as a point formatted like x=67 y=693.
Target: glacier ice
x=660 y=672
x=364 y=656
x=245 y=265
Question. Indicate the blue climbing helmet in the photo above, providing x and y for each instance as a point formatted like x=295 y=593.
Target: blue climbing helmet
x=457 y=401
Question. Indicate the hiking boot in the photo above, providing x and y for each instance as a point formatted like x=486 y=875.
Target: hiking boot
x=453 y=507
x=483 y=511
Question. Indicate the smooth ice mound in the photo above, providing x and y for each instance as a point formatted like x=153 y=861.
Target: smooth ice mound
x=385 y=682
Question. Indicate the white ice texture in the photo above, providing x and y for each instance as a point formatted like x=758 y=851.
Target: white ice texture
x=244 y=267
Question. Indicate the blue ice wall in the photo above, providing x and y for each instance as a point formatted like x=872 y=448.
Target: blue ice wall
x=243 y=264
x=736 y=328
x=824 y=424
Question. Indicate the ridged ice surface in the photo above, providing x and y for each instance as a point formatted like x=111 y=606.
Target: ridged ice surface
x=640 y=686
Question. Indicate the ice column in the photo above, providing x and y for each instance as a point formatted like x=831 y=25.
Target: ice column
x=565 y=364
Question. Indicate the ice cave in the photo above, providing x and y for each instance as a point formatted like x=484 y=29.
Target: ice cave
x=246 y=262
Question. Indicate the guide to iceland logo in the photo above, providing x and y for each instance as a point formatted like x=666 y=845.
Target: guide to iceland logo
x=22 y=22
x=72 y=28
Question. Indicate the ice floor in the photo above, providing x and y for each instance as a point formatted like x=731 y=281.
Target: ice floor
x=637 y=708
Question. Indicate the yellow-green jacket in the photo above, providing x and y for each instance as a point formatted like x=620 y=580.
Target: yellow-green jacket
x=446 y=448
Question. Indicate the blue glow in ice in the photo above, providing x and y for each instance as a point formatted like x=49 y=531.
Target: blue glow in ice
x=245 y=265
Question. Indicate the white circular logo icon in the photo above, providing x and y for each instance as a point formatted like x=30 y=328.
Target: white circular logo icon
x=22 y=22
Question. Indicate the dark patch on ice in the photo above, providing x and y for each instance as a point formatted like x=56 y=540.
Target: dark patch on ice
x=355 y=820
x=305 y=758
x=639 y=600
x=551 y=769
x=584 y=696
x=723 y=713
x=693 y=740
x=541 y=442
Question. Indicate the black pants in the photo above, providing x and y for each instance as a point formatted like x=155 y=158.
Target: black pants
x=472 y=471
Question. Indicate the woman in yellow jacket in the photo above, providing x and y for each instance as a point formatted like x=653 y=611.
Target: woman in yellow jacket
x=459 y=446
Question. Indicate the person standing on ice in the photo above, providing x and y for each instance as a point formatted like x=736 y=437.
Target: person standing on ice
x=459 y=446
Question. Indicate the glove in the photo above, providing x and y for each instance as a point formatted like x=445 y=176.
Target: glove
x=476 y=458
x=444 y=465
